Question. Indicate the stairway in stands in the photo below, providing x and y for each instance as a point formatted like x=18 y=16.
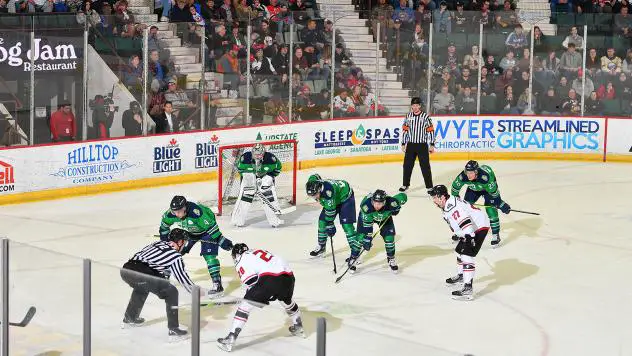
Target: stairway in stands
x=359 y=42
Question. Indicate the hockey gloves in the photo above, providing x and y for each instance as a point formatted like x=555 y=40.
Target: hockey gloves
x=504 y=207
x=367 y=243
x=225 y=244
x=330 y=229
x=187 y=247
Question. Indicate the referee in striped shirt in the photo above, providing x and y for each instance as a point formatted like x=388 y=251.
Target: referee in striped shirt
x=418 y=141
x=148 y=272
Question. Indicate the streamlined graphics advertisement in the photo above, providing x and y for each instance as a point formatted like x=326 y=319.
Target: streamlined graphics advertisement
x=351 y=138
x=92 y=163
x=522 y=133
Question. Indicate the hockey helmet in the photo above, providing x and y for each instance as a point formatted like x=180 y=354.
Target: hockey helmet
x=258 y=150
x=178 y=202
x=471 y=166
x=238 y=250
x=314 y=176
x=415 y=100
x=439 y=191
x=379 y=196
x=313 y=187
x=177 y=234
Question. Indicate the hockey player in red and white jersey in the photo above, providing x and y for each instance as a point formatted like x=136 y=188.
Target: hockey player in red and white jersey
x=471 y=225
x=268 y=278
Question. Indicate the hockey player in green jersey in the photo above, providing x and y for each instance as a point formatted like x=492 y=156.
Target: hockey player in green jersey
x=336 y=198
x=200 y=222
x=481 y=181
x=258 y=169
x=379 y=208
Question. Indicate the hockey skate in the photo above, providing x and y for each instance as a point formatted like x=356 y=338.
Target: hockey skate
x=464 y=294
x=227 y=342
x=177 y=334
x=318 y=251
x=454 y=280
x=131 y=323
x=217 y=291
x=495 y=240
x=392 y=264
x=352 y=262
x=297 y=330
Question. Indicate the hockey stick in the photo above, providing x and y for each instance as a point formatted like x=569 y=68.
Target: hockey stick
x=514 y=210
x=333 y=257
x=274 y=209
x=361 y=251
x=27 y=318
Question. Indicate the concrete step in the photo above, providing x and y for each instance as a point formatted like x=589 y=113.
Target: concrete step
x=399 y=93
x=388 y=85
x=146 y=18
x=349 y=21
x=163 y=26
x=370 y=68
x=360 y=61
x=337 y=15
x=187 y=59
x=166 y=34
x=141 y=10
x=383 y=76
x=353 y=30
x=391 y=100
x=171 y=42
x=188 y=68
x=137 y=3
x=346 y=36
x=364 y=52
x=195 y=77
x=333 y=2
x=336 y=7
x=358 y=45
x=183 y=51
x=397 y=109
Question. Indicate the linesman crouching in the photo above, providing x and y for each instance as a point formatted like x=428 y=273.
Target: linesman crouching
x=148 y=272
x=471 y=225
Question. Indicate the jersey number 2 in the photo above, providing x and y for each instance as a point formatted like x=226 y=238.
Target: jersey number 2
x=262 y=255
x=456 y=215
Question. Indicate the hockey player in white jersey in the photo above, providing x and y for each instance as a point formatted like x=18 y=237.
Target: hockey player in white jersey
x=267 y=278
x=471 y=225
x=258 y=170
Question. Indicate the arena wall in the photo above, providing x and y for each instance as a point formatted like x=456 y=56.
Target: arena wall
x=92 y=167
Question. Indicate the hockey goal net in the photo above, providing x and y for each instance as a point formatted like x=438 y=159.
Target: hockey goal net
x=229 y=180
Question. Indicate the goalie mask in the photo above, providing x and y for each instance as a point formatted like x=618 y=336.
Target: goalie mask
x=258 y=150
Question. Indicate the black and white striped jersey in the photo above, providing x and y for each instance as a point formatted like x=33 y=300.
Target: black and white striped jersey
x=418 y=128
x=160 y=256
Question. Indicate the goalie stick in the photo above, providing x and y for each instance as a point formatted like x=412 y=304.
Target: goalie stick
x=27 y=318
x=269 y=204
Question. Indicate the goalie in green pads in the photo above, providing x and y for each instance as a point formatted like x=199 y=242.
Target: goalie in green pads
x=379 y=208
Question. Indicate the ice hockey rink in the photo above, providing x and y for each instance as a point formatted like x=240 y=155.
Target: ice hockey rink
x=558 y=285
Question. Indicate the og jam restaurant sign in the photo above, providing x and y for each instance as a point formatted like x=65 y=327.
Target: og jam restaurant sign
x=51 y=54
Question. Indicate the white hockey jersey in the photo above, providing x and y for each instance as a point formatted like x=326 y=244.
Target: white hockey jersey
x=258 y=263
x=464 y=218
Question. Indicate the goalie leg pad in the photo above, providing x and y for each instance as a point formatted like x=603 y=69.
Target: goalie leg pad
x=268 y=193
x=247 y=192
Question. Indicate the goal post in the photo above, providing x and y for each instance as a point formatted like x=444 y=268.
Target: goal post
x=229 y=179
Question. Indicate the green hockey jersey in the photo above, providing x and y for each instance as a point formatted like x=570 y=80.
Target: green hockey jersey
x=199 y=222
x=485 y=181
x=269 y=165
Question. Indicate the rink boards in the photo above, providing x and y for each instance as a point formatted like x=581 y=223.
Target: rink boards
x=62 y=170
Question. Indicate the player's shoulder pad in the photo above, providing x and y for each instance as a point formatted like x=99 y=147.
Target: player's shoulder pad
x=392 y=203
x=484 y=176
x=462 y=177
x=450 y=204
x=194 y=210
x=366 y=206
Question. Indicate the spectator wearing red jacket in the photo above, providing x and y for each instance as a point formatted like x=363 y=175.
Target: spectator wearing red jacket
x=63 y=126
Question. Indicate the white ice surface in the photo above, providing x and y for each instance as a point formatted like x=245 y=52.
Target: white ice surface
x=557 y=286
